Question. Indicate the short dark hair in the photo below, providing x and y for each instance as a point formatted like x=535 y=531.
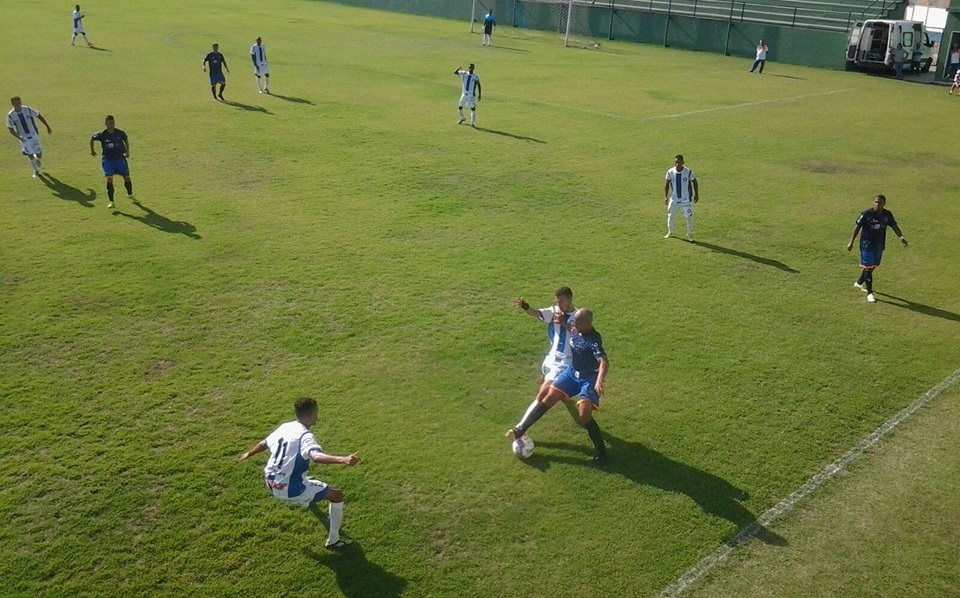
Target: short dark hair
x=109 y=117
x=12 y=98
x=564 y=292
x=678 y=157
x=881 y=197
x=304 y=406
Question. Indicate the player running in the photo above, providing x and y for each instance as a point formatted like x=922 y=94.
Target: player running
x=115 y=148
x=78 y=27
x=217 y=63
x=22 y=124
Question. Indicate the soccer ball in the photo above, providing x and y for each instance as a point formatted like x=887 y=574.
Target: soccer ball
x=523 y=447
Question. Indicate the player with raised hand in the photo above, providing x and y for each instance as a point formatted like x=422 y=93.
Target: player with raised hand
x=470 y=94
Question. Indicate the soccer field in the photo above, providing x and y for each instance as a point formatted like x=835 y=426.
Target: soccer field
x=343 y=238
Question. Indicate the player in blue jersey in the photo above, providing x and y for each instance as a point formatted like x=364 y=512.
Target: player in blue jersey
x=583 y=378
x=470 y=94
x=22 y=124
x=258 y=54
x=292 y=447
x=872 y=227
x=78 y=27
x=489 y=24
x=115 y=148
x=217 y=63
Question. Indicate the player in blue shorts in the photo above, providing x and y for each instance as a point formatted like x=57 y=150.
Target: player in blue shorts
x=115 y=148
x=873 y=224
x=583 y=378
x=217 y=63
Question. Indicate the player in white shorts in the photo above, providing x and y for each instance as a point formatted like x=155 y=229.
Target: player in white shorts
x=258 y=54
x=680 y=192
x=292 y=447
x=560 y=354
x=22 y=124
x=78 y=27
x=470 y=94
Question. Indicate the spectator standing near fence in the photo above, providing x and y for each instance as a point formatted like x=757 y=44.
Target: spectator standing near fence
x=953 y=63
x=761 y=59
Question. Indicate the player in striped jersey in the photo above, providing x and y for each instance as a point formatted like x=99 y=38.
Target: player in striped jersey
x=680 y=192
x=470 y=95
x=560 y=354
x=78 y=27
x=258 y=54
x=22 y=124
x=292 y=447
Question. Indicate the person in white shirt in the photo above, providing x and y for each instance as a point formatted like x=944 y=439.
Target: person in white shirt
x=761 y=57
x=258 y=54
x=292 y=447
x=470 y=95
x=680 y=192
x=560 y=355
x=22 y=124
x=78 y=27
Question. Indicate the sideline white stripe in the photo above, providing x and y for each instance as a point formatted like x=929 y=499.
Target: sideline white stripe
x=746 y=534
x=749 y=104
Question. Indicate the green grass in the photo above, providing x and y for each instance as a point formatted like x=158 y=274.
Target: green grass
x=344 y=239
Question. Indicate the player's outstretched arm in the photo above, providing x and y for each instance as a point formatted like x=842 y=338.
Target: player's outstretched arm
x=257 y=448
x=457 y=70
x=318 y=456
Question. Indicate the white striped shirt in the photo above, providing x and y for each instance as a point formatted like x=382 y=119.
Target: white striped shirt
x=259 y=53
x=470 y=82
x=23 y=122
x=286 y=470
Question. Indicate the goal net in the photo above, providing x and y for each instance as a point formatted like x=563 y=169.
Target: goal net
x=578 y=21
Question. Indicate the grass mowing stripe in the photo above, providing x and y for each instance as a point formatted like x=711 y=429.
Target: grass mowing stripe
x=786 y=505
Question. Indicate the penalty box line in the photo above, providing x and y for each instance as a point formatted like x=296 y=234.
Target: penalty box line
x=696 y=572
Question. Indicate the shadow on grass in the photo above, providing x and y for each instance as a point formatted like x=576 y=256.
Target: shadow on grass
x=508 y=48
x=290 y=99
x=918 y=307
x=749 y=256
x=356 y=576
x=64 y=191
x=98 y=49
x=510 y=135
x=643 y=465
x=247 y=107
x=789 y=77
x=154 y=220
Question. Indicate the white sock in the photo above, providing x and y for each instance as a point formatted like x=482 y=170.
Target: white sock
x=336 y=519
x=473 y=118
x=34 y=163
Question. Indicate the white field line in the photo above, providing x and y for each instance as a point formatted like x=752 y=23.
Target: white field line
x=680 y=114
x=749 y=104
x=696 y=572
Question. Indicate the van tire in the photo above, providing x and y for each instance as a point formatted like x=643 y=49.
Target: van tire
x=925 y=66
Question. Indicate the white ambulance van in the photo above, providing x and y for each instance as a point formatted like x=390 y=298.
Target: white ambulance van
x=872 y=43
